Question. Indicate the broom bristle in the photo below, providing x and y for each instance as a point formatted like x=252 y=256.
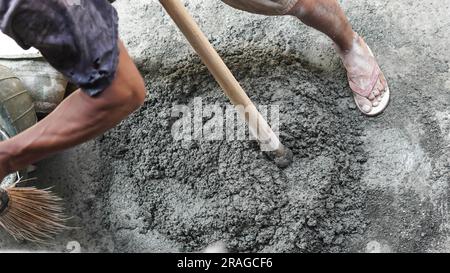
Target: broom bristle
x=32 y=214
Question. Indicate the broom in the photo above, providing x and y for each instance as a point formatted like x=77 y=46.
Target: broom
x=31 y=214
x=28 y=213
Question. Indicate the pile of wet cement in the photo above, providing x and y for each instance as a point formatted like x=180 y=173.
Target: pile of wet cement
x=206 y=191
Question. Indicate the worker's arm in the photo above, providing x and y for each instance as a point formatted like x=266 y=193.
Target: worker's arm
x=77 y=119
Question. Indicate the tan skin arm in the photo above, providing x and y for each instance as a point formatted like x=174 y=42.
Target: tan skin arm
x=77 y=119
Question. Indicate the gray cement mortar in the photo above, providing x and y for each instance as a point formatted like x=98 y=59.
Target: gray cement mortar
x=356 y=184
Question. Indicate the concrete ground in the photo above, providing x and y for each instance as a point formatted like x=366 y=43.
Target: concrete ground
x=356 y=185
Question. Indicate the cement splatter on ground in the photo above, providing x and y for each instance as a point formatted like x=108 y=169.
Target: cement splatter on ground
x=357 y=184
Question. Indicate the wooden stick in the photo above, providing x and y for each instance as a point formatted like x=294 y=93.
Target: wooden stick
x=258 y=126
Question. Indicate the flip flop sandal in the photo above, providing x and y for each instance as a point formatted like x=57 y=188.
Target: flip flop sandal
x=357 y=90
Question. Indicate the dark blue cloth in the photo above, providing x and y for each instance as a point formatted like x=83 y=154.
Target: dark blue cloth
x=79 y=38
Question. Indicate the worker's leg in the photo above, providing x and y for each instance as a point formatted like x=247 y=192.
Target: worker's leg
x=328 y=17
x=323 y=15
x=267 y=7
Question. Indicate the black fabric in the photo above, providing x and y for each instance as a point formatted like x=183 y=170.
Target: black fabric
x=77 y=37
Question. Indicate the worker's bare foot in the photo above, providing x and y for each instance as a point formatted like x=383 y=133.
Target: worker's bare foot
x=365 y=77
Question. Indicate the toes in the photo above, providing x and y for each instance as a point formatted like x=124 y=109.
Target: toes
x=364 y=104
x=378 y=92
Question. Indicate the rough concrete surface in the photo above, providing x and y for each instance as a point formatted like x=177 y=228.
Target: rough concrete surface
x=357 y=184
